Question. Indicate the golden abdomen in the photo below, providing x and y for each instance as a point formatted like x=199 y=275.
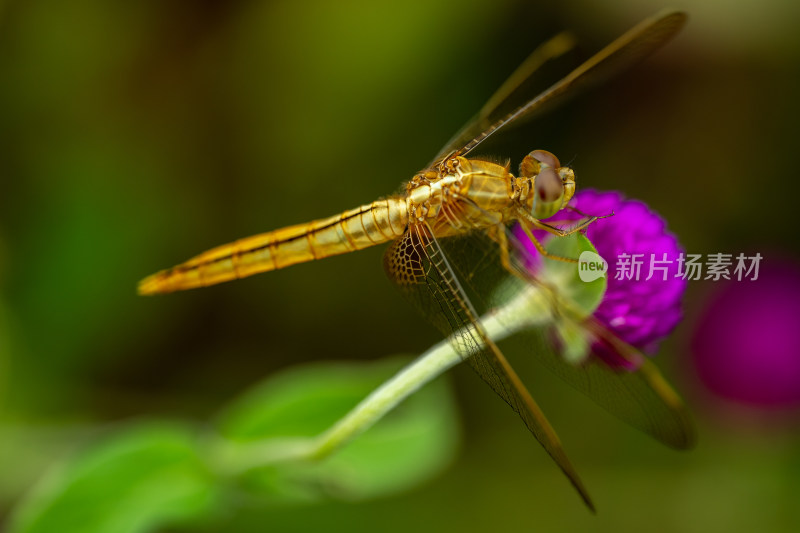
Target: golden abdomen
x=359 y=228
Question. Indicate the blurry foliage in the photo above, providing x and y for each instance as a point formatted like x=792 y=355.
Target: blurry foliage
x=144 y=476
x=413 y=442
x=136 y=480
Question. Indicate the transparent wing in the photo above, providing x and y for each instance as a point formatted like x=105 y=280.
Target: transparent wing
x=517 y=90
x=418 y=266
x=511 y=103
x=633 y=390
x=643 y=399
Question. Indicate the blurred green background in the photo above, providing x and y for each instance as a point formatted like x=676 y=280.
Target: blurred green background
x=136 y=134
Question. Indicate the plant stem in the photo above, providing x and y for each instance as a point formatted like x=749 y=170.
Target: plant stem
x=526 y=308
x=518 y=313
x=383 y=399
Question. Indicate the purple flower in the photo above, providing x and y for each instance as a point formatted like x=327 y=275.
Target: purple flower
x=639 y=310
x=746 y=345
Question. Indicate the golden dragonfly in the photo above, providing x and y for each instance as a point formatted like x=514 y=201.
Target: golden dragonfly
x=459 y=204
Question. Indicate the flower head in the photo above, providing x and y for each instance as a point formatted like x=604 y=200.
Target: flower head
x=640 y=307
x=746 y=344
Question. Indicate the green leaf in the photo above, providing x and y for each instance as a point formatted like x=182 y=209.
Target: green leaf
x=583 y=297
x=409 y=445
x=140 y=479
x=577 y=298
x=302 y=401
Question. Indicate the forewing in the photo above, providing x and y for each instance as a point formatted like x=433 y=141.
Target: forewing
x=630 y=48
x=420 y=269
x=517 y=90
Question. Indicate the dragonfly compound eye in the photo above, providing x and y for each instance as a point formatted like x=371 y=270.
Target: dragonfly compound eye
x=534 y=162
x=548 y=193
x=546 y=158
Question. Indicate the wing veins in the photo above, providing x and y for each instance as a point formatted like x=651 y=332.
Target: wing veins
x=634 y=45
x=484 y=356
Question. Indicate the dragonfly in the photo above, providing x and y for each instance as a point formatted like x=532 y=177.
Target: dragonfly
x=451 y=245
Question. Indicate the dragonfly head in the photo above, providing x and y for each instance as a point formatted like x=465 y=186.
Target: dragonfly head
x=552 y=185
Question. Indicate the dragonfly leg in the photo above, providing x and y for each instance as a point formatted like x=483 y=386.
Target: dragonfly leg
x=498 y=235
x=581 y=213
x=529 y=223
x=538 y=224
x=541 y=249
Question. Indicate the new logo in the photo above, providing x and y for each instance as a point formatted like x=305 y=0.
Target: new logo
x=591 y=266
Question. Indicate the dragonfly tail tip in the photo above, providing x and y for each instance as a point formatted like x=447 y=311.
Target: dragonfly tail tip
x=150 y=285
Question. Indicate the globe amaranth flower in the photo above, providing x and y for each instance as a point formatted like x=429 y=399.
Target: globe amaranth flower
x=639 y=307
x=746 y=344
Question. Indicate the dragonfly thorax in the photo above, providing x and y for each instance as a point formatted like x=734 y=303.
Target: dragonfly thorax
x=463 y=194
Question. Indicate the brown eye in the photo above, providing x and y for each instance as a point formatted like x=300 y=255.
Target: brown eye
x=548 y=186
x=548 y=194
x=546 y=158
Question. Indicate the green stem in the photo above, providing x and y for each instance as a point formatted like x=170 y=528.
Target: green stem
x=241 y=457
x=526 y=305
x=525 y=309
x=522 y=311
x=425 y=368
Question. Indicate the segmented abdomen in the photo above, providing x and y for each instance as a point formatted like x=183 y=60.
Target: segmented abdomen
x=359 y=228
